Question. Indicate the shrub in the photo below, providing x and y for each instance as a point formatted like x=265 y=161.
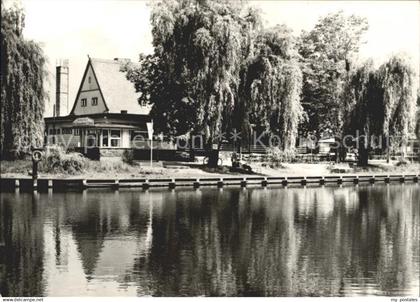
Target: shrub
x=128 y=157
x=276 y=156
x=56 y=160
x=16 y=166
x=402 y=162
x=108 y=166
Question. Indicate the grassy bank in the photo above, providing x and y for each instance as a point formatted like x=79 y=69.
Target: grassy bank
x=118 y=169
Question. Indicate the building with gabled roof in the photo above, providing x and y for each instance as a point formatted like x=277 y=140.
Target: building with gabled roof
x=104 y=80
x=105 y=115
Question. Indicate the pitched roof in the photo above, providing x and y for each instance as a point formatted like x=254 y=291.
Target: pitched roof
x=118 y=92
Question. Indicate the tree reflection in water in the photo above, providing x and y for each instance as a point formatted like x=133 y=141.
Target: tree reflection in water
x=323 y=241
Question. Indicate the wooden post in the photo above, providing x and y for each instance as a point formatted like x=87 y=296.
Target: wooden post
x=146 y=185
x=264 y=183
x=172 y=184
x=220 y=183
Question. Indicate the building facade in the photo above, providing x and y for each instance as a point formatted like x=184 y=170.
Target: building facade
x=105 y=117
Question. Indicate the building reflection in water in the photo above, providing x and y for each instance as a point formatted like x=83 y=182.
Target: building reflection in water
x=332 y=241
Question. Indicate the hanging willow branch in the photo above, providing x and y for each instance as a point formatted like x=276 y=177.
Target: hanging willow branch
x=273 y=86
x=381 y=102
x=200 y=47
x=22 y=90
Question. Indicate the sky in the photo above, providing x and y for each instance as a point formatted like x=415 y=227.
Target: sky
x=74 y=29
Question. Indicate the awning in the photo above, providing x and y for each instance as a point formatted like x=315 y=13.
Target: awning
x=83 y=121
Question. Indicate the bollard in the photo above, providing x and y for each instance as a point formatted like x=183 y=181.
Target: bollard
x=220 y=183
x=146 y=185
x=172 y=184
x=264 y=183
x=356 y=180
x=116 y=185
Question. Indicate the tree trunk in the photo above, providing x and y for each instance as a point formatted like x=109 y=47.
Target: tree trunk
x=342 y=153
x=192 y=155
x=363 y=150
x=363 y=155
x=213 y=155
x=337 y=151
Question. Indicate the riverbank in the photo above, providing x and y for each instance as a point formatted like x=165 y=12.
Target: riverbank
x=119 y=170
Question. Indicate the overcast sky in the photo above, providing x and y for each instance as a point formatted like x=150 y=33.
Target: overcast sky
x=108 y=29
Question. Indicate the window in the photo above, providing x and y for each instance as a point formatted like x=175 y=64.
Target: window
x=105 y=140
x=94 y=101
x=67 y=131
x=111 y=138
x=89 y=80
x=54 y=131
x=84 y=102
x=115 y=138
x=76 y=132
x=92 y=138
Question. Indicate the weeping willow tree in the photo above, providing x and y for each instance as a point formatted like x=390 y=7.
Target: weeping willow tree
x=192 y=78
x=215 y=69
x=22 y=89
x=272 y=85
x=398 y=79
x=382 y=103
x=363 y=109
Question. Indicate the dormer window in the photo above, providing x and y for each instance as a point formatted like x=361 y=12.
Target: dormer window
x=94 y=101
x=84 y=102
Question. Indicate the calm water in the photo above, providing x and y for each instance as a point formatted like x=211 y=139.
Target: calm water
x=254 y=242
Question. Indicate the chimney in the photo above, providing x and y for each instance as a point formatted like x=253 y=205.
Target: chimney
x=62 y=88
x=122 y=60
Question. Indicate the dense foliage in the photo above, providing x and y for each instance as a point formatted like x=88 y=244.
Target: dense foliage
x=272 y=85
x=57 y=160
x=215 y=69
x=22 y=89
x=193 y=80
x=398 y=80
x=381 y=103
x=363 y=110
x=328 y=52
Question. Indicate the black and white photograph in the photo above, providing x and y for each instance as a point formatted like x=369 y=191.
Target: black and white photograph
x=209 y=148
